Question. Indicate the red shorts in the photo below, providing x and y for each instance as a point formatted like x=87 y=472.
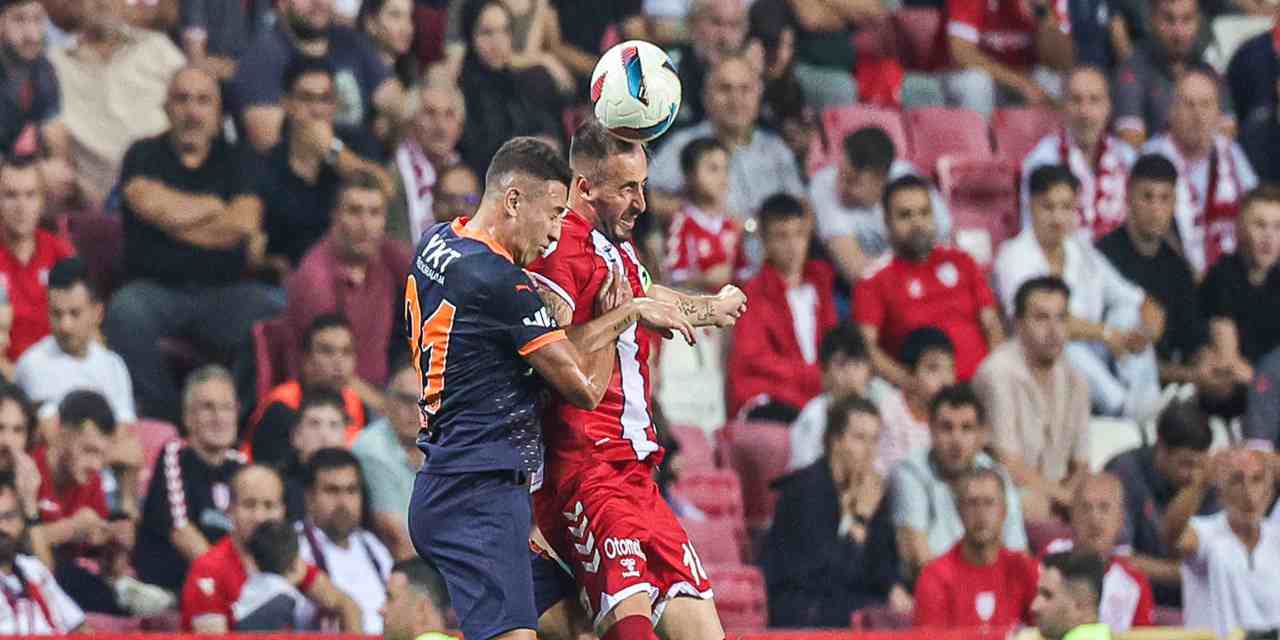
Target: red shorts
x=611 y=525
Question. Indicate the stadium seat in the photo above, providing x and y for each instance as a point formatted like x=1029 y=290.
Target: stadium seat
x=759 y=453
x=718 y=540
x=717 y=492
x=105 y=623
x=983 y=196
x=875 y=39
x=1109 y=437
x=1041 y=532
x=842 y=121
x=940 y=131
x=880 y=618
x=740 y=597
x=696 y=451
x=152 y=435
x=272 y=349
x=920 y=43
x=1018 y=129
x=99 y=239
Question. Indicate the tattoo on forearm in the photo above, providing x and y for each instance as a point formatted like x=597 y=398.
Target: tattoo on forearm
x=556 y=305
x=697 y=310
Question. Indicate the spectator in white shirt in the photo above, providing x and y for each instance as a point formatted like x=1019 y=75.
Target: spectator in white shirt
x=846 y=201
x=72 y=356
x=1231 y=560
x=1112 y=323
x=1098 y=159
x=1206 y=161
x=846 y=371
x=333 y=539
x=33 y=603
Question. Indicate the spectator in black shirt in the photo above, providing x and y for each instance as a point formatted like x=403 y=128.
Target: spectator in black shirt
x=192 y=228
x=1260 y=137
x=1241 y=293
x=1152 y=477
x=29 y=94
x=187 y=499
x=582 y=28
x=716 y=28
x=300 y=175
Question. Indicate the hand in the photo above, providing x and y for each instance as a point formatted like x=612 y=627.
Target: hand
x=614 y=292
x=730 y=303
x=26 y=480
x=1136 y=341
x=90 y=527
x=663 y=317
x=1153 y=318
x=900 y=601
x=122 y=533
x=315 y=137
x=1032 y=93
x=1117 y=341
x=125 y=450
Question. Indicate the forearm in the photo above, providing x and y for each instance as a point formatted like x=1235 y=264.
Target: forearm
x=369 y=395
x=848 y=256
x=1159 y=570
x=967 y=55
x=352 y=619
x=189 y=542
x=350 y=163
x=160 y=204
x=40 y=546
x=59 y=533
x=1054 y=48
x=578 y=61
x=1180 y=510
x=698 y=309
x=991 y=326
x=218 y=234
x=888 y=368
x=600 y=332
x=1079 y=329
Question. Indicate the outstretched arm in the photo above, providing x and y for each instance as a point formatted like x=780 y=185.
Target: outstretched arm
x=701 y=310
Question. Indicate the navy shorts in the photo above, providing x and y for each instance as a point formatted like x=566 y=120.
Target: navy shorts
x=475 y=528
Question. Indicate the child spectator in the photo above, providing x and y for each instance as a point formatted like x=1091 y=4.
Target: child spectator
x=269 y=601
x=322 y=423
x=705 y=243
x=930 y=356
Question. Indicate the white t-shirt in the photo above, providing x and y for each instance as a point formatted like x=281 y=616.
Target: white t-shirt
x=1224 y=587
x=47 y=373
x=1097 y=289
x=866 y=224
x=803 y=300
x=360 y=570
x=29 y=617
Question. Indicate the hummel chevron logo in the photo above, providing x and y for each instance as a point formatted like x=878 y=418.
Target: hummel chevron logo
x=540 y=319
x=594 y=565
x=577 y=512
x=578 y=530
x=590 y=546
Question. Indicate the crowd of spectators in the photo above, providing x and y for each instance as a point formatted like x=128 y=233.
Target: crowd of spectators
x=207 y=208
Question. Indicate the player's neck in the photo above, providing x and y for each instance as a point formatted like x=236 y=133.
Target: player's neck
x=582 y=207
x=488 y=222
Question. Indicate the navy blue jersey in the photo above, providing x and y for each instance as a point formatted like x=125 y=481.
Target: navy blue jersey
x=472 y=315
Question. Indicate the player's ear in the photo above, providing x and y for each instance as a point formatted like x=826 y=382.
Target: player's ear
x=583 y=185
x=511 y=201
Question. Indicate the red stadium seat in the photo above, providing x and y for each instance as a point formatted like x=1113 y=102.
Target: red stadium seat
x=983 y=196
x=696 y=451
x=842 y=121
x=920 y=41
x=717 y=540
x=740 y=597
x=759 y=453
x=879 y=618
x=717 y=492
x=99 y=239
x=152 y=435
x=273 y=346
x=1018 y=129
x=875 y=39
x=940 y=131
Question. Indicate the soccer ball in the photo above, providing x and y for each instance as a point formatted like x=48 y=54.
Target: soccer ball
x=635 y=91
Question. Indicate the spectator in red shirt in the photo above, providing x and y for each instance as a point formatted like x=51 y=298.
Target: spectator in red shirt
x=704 y=244
x=27 y=253
x=922 y=284
x=979 y=582
x=1006 y=52
x=216 y=577
x=1097 y=516
x=355 y=270
x=792 y=307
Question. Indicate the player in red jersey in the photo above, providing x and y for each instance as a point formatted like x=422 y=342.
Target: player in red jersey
x=599 y=507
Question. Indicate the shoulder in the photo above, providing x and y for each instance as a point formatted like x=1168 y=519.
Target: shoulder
x=43 y=350
x=1045 y=152
x=1158 y=145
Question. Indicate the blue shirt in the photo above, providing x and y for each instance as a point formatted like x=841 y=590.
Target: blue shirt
x=473 y=315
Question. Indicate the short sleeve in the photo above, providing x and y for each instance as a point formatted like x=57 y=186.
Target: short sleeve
x=157 y=512
x=868 y=303
x=558 y=273
x=910 y=498
x=244 y=178
x=121 y=391
x=964 y=19
x=983 y=297
x=138 y=161
x=513 y=304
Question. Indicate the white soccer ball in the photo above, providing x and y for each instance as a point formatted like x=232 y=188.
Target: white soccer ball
x=635 y=91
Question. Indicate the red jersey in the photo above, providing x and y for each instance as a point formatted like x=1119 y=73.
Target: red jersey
x=698 y=242
x=952 y=593
x=56 y=503
x=619 y=428
x=1002 y=29
x=214 y=582
x=946 y=290
x=27 y=286
x=1127 y=600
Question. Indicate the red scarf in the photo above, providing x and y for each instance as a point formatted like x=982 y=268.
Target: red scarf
x=1108 y=210
x=32 y=593
x=1215 y=218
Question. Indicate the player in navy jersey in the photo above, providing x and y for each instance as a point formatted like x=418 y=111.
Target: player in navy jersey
x=478 y=335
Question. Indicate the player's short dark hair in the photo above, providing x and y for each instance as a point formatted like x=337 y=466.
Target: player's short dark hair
x=10 y=392
x=1184 y=425
x=1079 y=567
x=693 y=152
x=323 y=322
x=330 y=459
x=955 y=396
x=304 y=66
x=923 y=341
x=424 y=578
x=838 y=416
x=592 y=144
x=528 y=156
x=322 y=396
x=907 y=182
x=274 y=547
x=1041 y=284
x=870 y=149
x=846 y=340
x=780 y=207
x=1046 y=177
x=1153 y=167
x=69 y=272
x=81 y=406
